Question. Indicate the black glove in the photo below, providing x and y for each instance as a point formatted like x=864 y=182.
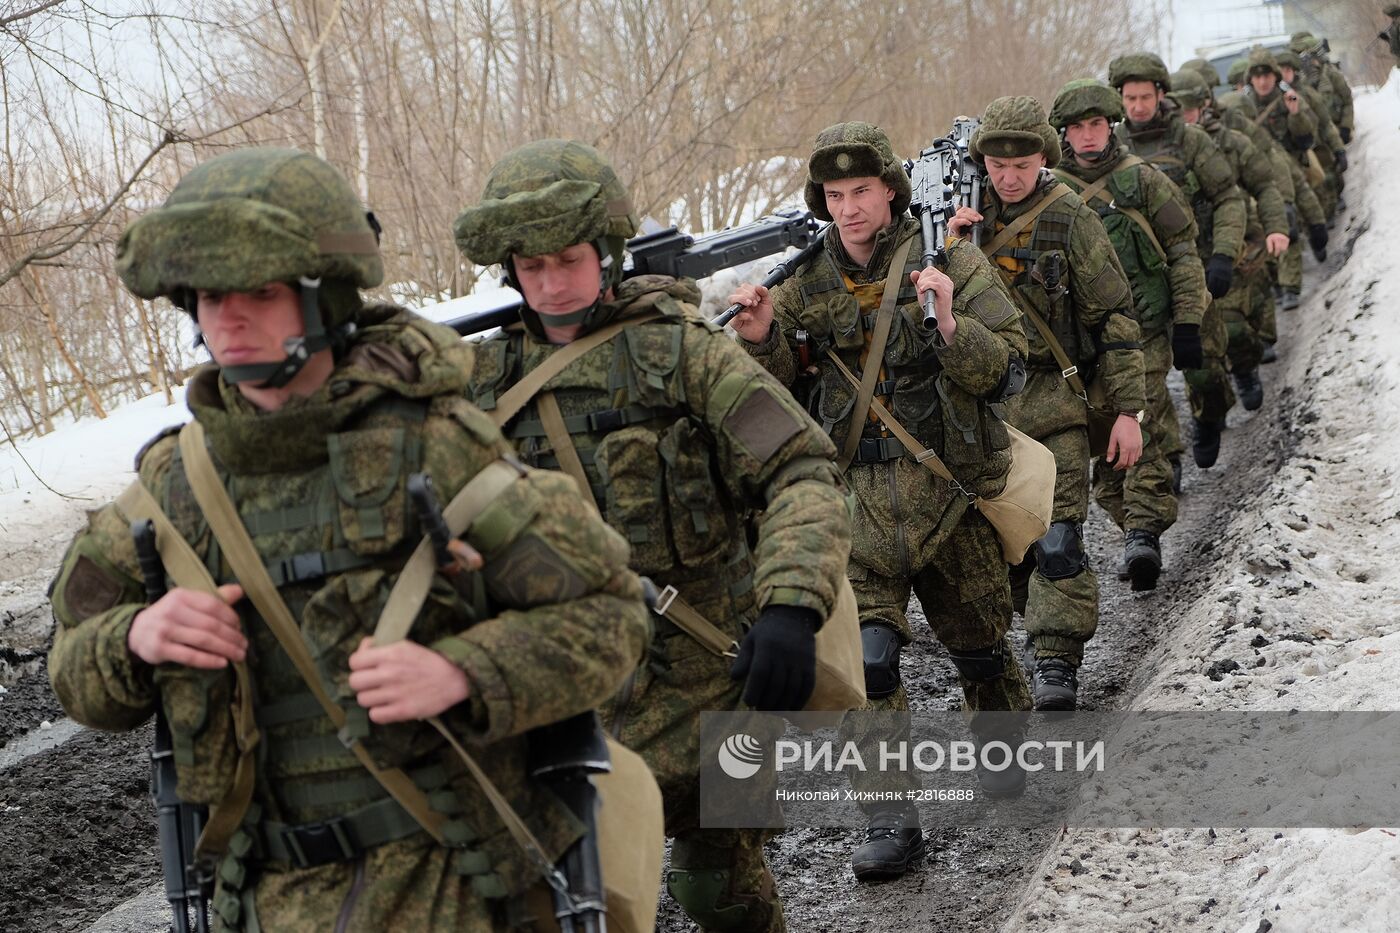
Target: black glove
x=1345 y=131
x=778 y=659
x=1341 y=156
x=1317 y=239
x=1220 y=271
x=1186 y=347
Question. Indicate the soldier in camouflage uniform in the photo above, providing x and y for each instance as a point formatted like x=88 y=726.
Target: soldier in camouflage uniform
x=1321 y=74
x=1286 y=116
x=679 y=434
x=1065 y=276
x=1149 y=222
x=1248 y=308
x=1238 y=76
x=1154 y=131
x=945 y=384
x=314 y=439
x=1330 y=150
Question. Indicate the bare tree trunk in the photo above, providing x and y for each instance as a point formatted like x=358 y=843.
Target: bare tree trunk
x=41 y=299
x=18 y=391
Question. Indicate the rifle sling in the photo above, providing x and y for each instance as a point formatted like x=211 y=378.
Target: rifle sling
x=1011 y=230
x=1067 y=368
x=554 y=429
x=884 y=320
x=187 y=570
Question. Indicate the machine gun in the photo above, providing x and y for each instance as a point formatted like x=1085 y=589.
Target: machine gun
x=563 y=755
x=178 y=824
x=670 y=252
x=931 y=176
x=970 y=175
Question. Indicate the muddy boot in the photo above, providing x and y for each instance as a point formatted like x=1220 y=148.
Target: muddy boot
x=1250 y=389
x=1176 y=475
x=1142 y=553
x=1054 y=686
x=1289 y=301
x=1270 y=354
x=1206 y=447
x=893 y=843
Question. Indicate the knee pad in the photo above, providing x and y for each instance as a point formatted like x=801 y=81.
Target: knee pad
x=700 y=892
x=880 y=645
x=980 y=664
x=1060 y=554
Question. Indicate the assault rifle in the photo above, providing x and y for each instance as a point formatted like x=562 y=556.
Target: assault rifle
x=931 y=176
x=670 y=252
x=178 y=824
x=563 y=755
x=970 y=175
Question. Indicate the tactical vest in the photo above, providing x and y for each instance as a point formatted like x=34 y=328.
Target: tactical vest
x=1148 y=273
x=331 y=536
x=647 y=456
x=1167 y=151
x=1024 y=264
x=966 y=432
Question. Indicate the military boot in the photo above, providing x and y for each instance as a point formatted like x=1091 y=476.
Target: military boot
x=1054 y=685
x=893 y=843
x=1250 y=389
x=1270 y=354
x=1142 y=553
x=1206 y=447
x=1289 y=301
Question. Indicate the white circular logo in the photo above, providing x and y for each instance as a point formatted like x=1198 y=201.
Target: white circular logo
x=741 y=756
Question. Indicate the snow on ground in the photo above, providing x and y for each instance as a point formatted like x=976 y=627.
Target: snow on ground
x=1304 y=614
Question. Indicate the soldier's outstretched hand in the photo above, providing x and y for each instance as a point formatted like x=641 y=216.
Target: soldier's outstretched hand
x=405 y=681
x=754 y=322
x=1124 y=443
x=190 y=627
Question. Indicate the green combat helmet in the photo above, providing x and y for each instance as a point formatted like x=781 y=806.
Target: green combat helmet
x=1013 y=127
x=854 y=150
x=1237 y=100
x=1083 y=98
x=1188 y=90
x=1239 y=71
x=1139 y=66
x=1289 y=59
x=1261 y=58
x=1304 y=43
x=1208 y=72
x=251 y=217
x=544 y=197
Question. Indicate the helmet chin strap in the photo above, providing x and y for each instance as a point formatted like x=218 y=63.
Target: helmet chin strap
x=609 y=277
x=299 y=350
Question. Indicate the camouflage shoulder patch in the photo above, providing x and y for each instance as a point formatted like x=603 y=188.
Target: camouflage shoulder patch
x=990 y=304
x=761 y=424
x=1108 y=288
x=1170 y=218
x=88 y=591
x=531 y=573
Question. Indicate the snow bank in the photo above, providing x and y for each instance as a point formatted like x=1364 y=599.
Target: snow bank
x=1306 y=601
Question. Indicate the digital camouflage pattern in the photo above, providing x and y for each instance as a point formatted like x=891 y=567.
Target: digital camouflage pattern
x=326 y=475
x=1208 y=72
x=1295 y=132
x=1326 y=78
x=249 y=217
x=1239 y=71
x=1084 y=98
x=1139 y=66
x=1166 y=291
x=854 y=150
x=1189 y=89
x=682 y=437
x=1090 y=311
x=912 y=531
x=1013 y=127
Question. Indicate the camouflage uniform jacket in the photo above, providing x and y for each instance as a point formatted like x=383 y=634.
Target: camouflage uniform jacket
x=1149 y=191
x=1333 y=88
x=1089 y=310
x=320 y=484
x=945 y=395
x=681 y=436
x=1255 y=172
x=1295 y=132
x=1202 y=172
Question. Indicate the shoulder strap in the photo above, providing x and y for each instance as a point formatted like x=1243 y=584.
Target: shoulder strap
x=1067 y=369
x=558 y=434
x=187 y=570
x=1264 y=115
x=1097 y=190
x=884 y=319
x=516 y=397
x=1010 y=231
x=242 y=556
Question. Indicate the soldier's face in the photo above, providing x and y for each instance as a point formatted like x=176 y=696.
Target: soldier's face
x=860 y=207
x=562 y=282
x=1014 y=179
x=1263 y=82
x=1089 y=135
x=249 y=327
x=1140 y=99
x=1191 y=114
x=1288 y=73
